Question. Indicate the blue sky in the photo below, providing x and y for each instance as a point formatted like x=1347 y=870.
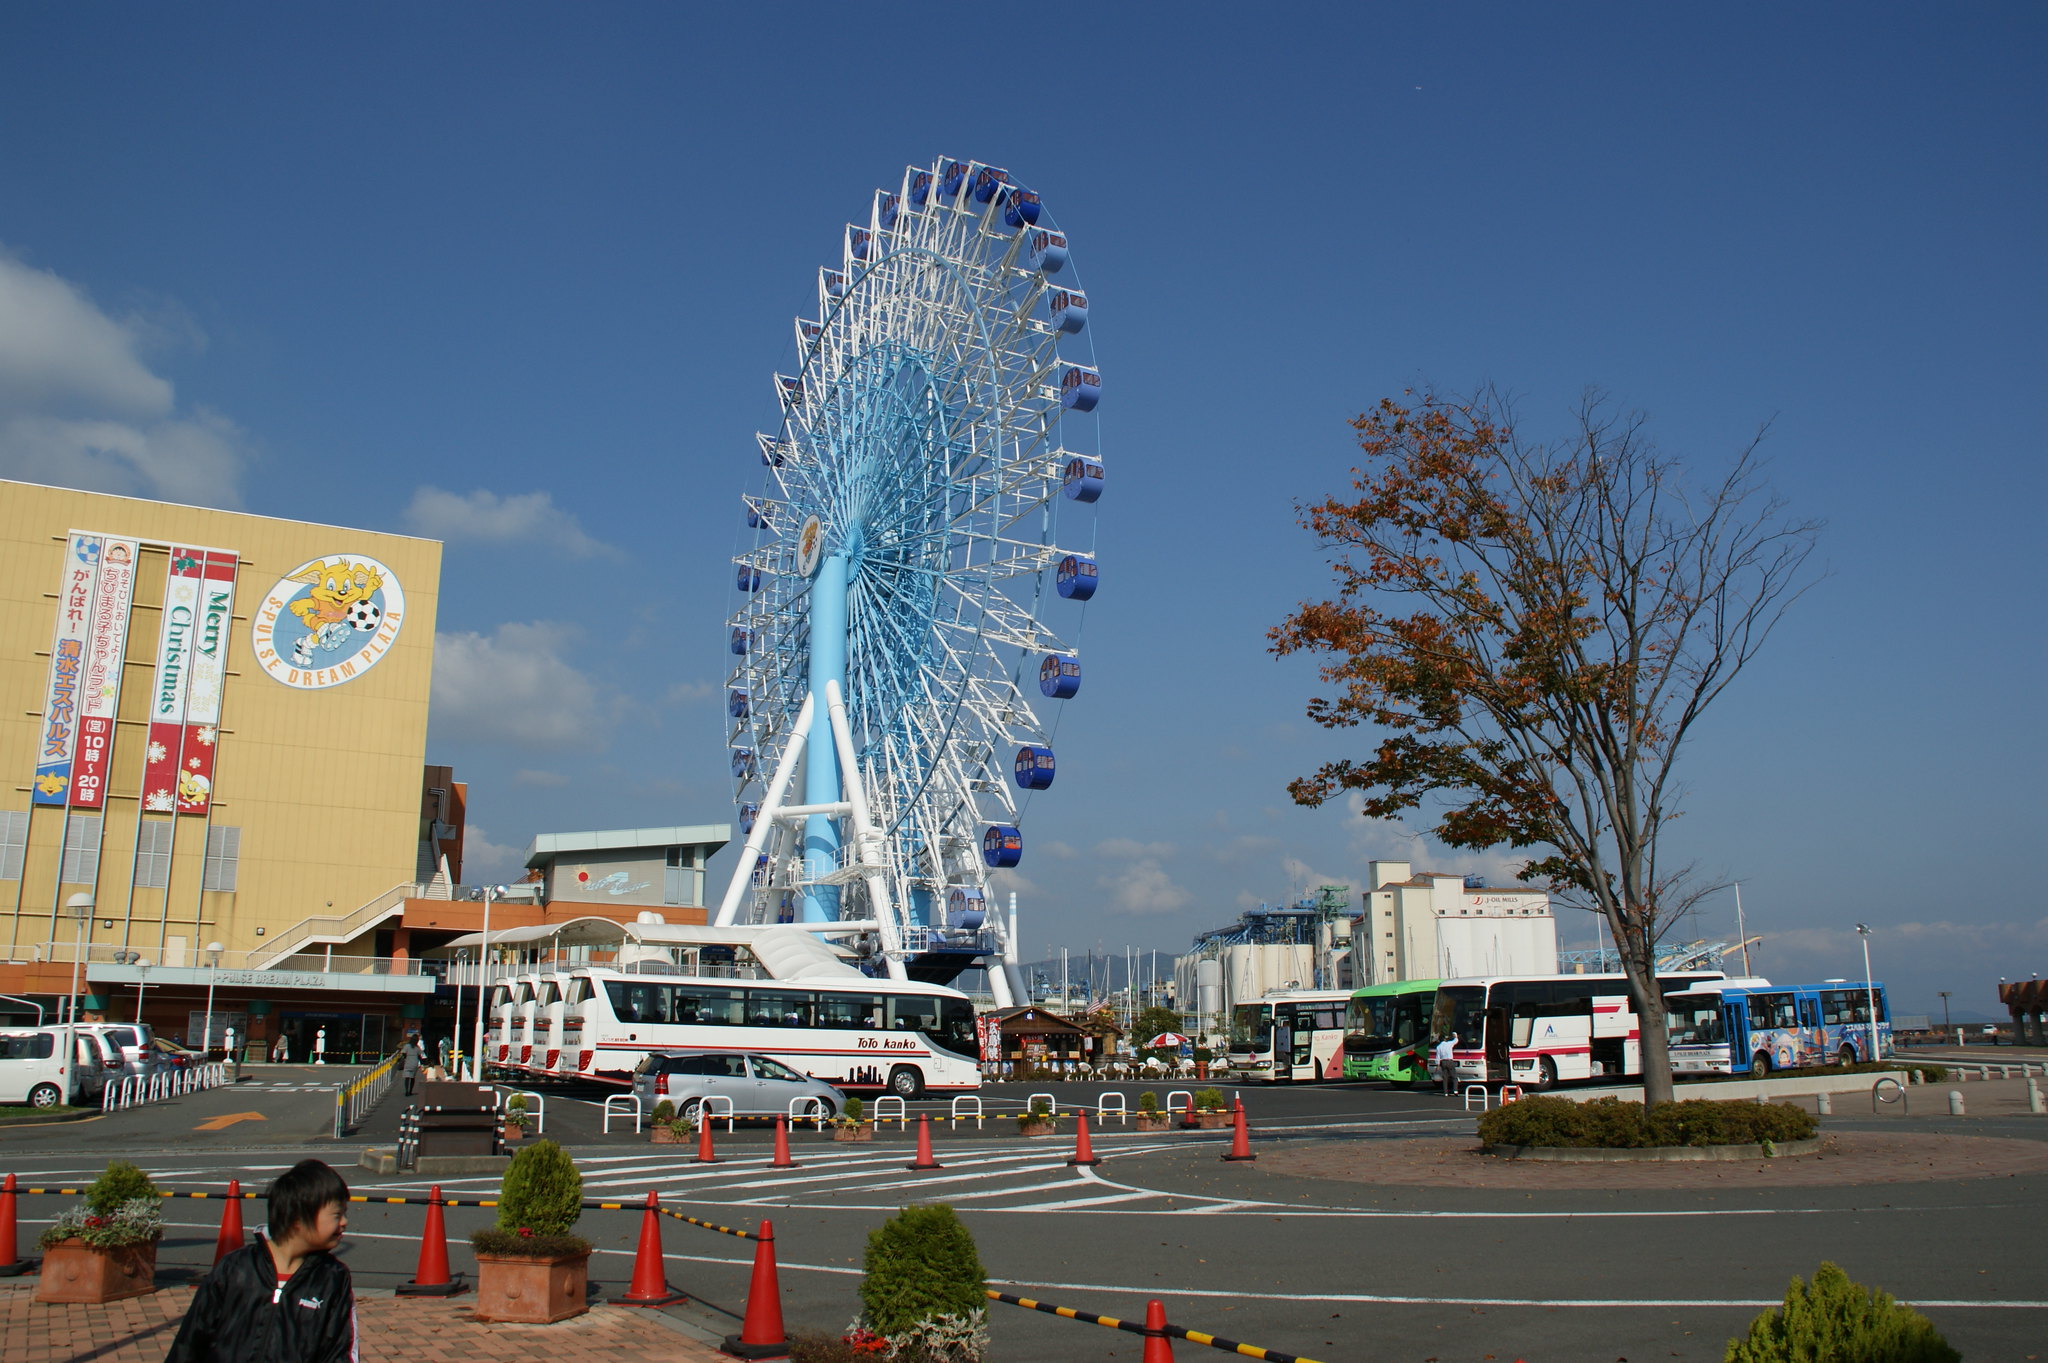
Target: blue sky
x=515 y=276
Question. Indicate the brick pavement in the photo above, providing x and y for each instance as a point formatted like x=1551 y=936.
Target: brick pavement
x=1846 y=1158
x=140 y=1330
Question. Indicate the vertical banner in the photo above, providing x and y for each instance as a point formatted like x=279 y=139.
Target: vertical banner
x=100 y=692
x=59 y=737
x=168 y=685
x=209 y=664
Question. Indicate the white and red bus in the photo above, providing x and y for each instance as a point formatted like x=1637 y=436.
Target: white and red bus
x=788 y=997
x=1540 y=1030
x=1290 y=1035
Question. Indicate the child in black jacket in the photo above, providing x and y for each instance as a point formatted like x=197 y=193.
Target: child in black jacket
x=284 y=1299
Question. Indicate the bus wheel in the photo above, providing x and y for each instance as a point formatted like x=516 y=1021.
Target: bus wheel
x=1546 y=1074
x=1761 y=1063
x=907 y=1082
x=1847 y=1055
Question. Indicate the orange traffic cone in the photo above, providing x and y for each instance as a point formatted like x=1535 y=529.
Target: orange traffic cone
x=1187 y=1115
x=924 y=1158
x=782 y=1159
x=650 y=1283
x=10 y=1265
x=431 y=1278
x=761 y=1334
x=230 y=1238
x=1158 y=1344
x=1084 y=1153
x=704 y=1155
x=1241 y=1139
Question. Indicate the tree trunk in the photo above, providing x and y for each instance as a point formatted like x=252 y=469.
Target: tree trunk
x=1653 y=1037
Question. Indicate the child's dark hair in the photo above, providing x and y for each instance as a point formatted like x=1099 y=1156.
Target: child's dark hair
x=300 y=1194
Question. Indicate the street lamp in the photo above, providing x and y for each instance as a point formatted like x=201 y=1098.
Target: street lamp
x=1944 y=1010
x=213 y=951
x=1870 y=992
x=527 y=890
x=141 y=984
x=80 y=907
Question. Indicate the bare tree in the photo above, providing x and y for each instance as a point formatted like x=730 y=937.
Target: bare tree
x=1533 y=630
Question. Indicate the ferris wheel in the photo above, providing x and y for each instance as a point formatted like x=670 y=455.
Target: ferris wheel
x=919 y=551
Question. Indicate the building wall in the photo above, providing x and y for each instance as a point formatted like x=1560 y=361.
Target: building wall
x=318 y=768
x=1419 y=927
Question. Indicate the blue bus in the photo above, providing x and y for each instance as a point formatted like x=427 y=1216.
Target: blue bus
x=1753 y=1027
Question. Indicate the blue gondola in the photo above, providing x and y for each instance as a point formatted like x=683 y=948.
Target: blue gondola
x=966 y=909
x=885 y=216
x=1082 y=479
x=834 y=283
x=1047 y=252
x=791 y=390
x=952 y=175
x=1077 y=577
x=740 y=639
x=750 y=813
x=757 y=514
x=1022 y=209
x=810 y=331
x=1034 y=768
x=742 y=763
x=1002 y=846
x=771 y=450
x=1069 y=308
x=857 y=242
x=748 y=579
x=1059 y=677
x=736 y=703
x=1080 y=389
x=921 y=187
x=989 y=183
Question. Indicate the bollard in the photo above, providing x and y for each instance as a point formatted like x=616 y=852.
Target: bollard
x=230 y=1238
x=1158 y=1344
x=2034 y=1096
x=761 y=1334
x=1955 y=1103
x=431 y=1278
x=10 y=1265
x=650 y=1282
x=1827 y=1104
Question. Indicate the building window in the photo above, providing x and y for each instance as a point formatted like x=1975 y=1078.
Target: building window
x=13 y=842
x=153 y=855
x=81 y=850
x=223 y=853
x=675 y=878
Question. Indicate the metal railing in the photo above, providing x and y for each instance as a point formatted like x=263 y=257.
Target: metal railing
x=353 y=1100
x=133 y=1090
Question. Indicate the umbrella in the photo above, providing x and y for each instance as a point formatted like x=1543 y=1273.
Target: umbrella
x=1165 y=1040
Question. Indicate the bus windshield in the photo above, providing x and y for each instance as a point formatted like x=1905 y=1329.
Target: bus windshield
x=1694 y=1019
x=1384 y=1024
x=1461 y=1009
x=1251 y=1027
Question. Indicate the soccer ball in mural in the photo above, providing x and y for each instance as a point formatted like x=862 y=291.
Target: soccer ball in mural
x=364 y=616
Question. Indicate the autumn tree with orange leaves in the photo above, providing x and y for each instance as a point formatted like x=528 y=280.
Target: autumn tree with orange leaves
x=1530 y=632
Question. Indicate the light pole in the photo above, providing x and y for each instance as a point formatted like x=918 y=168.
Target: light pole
x=1944 y=1010
x=1870 y=993
x=213 y=951
x=141 y=984
x=80 y=907
x=455 y=1032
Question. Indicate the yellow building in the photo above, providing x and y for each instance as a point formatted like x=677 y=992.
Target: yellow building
x=214 y=726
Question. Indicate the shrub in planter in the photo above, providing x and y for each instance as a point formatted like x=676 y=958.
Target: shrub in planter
x=1834 y=1320
x=105 y=1248
x=664 y=1111
x=1038 y=1118
x=1148 y=1101
x=923 y=1287
x=1210 y=1100
x=854 y=1109
x=539 y=1201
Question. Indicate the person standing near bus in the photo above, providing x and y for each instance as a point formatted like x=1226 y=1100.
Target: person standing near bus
x=1446 y=1067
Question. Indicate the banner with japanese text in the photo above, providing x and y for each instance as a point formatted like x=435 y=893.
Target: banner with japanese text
x=168 y=685
x=99 y=699
x=209 y=665
x=58 y=738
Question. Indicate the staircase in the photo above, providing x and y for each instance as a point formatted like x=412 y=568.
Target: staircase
x=334 y=929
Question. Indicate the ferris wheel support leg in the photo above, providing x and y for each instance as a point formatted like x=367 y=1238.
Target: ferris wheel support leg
x=866 y=841
x=764 y=822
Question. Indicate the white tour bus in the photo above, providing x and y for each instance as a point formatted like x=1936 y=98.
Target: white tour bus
x=1291 y=1034
x=1538 y=1030
x=776 y=990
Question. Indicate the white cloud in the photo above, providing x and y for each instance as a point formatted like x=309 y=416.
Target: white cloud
x=684 y=693
x=1141 y=886
x=489 y=863
x=528 y=776
x=1127 y=849
x=484 y=517
x=517 y=686
x=80 y=408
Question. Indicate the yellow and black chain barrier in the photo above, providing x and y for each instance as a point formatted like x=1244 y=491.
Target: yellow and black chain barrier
x=359 y=1095
x=1229 y=1346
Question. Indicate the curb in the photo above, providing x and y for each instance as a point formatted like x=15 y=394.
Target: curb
x=384 y=1160
x=1655 y=1154
x=83 y=1115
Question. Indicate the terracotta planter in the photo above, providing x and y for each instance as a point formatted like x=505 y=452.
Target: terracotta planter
x=660 y=1134
x=853 y=1133
x=1154 y=1121
x=1038 y=1128
x=513 y=1133
x=1206 y=1121
x=74 y=1271
x=523 y=1291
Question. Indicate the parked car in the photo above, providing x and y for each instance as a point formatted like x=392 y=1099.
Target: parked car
x=131 y=1042
x=758 y=1085
x=32 y=1068
x=169 y=1053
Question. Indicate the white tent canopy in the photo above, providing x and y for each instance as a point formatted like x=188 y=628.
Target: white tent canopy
x=786 y=952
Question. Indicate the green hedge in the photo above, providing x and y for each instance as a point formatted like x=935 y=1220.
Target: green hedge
x=1611 y=1124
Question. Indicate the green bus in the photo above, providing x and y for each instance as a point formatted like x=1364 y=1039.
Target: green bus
x=1387 y=1032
